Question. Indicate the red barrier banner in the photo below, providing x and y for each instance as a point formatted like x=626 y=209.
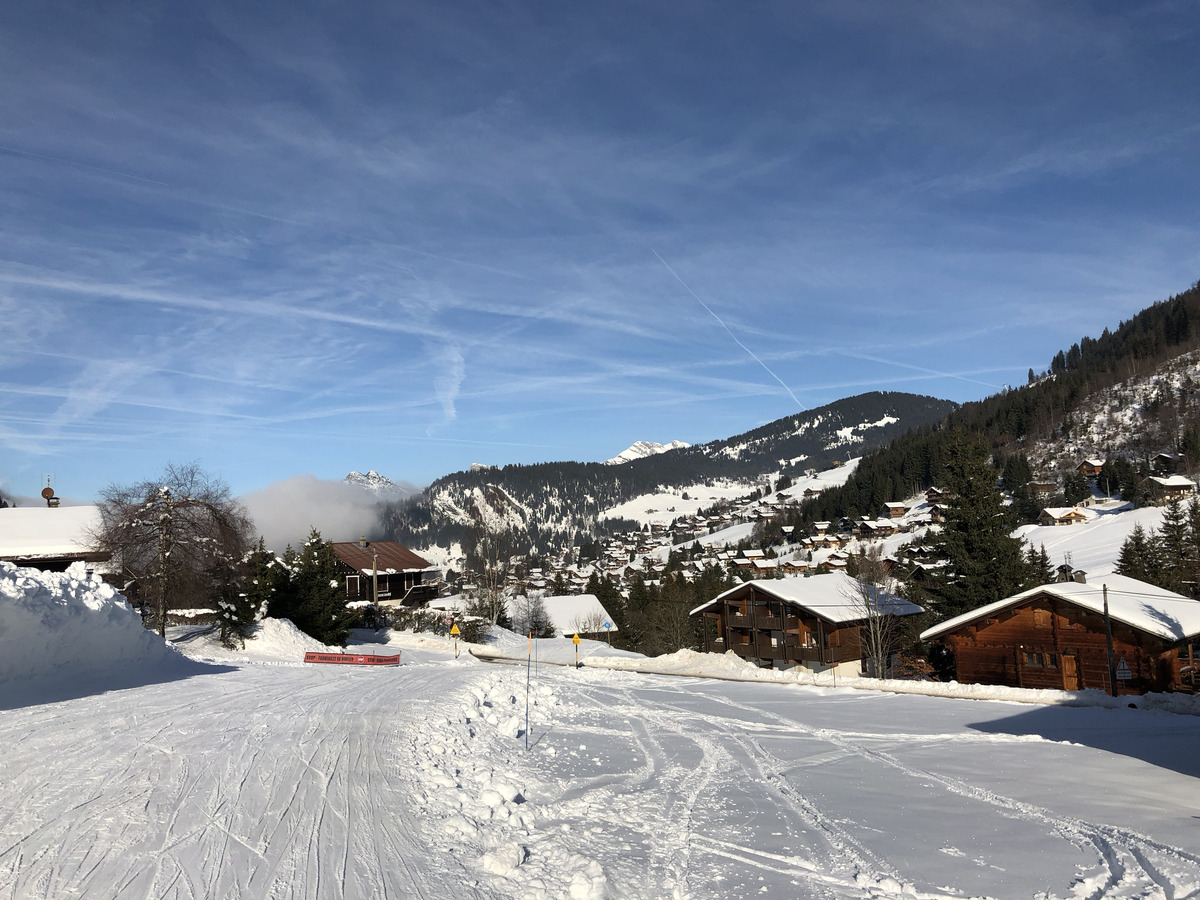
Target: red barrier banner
x=352 y=659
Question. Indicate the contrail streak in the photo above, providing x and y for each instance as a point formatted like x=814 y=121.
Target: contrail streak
x=721 y=322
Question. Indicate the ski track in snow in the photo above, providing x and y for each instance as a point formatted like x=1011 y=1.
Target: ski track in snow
x=286 y=782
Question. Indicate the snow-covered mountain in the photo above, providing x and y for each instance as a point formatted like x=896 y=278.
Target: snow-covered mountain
x=642 y=449
x=555 y=505
x=380 y=485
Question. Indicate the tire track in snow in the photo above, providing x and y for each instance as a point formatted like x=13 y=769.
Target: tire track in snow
x=854 y=866
x=1123 y=854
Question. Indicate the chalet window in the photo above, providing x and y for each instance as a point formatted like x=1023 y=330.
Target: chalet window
x=352 y=586
x=1185 y=651
x=1041 y=618
x=1041 y=660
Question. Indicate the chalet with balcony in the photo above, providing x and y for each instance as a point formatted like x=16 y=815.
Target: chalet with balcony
x=1061 y=515
x=1090 y=467
x=1162 y=489
x=402 y=577
x=810 y=622
x=1053 y=636
x=893 y=511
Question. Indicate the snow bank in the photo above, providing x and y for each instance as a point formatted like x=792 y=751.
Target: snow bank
x=271 y=641
x=67 y=624
x=731 y=667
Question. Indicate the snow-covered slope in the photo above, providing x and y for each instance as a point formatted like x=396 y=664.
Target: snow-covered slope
x=422 y=781
x=642 y=449
x=380 y=485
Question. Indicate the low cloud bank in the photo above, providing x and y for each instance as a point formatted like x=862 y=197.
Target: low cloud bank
x=285 y=511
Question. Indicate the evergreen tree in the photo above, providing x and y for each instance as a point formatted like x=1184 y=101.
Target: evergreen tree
x=984 y=561
x=1139 y=557
x=1016 y=473
x=1040 y=570
x=1075 y=488
x=1174 y=548
x=320 y=599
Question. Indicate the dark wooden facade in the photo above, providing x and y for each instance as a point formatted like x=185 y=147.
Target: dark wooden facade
x=771 y=632
x=401 y=575
x=1048 y=642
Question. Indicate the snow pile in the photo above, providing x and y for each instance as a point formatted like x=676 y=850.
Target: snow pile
x=467 y=772
x=67 y=624
x=271 y=641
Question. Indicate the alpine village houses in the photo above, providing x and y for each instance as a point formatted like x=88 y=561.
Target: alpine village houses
x=1054 y=636
x=810 y=622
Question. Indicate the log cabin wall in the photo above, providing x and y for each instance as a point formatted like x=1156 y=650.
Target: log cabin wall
x=1048 y=643
x=765 y=630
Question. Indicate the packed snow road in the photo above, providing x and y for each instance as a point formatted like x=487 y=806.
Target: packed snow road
x=286 y=781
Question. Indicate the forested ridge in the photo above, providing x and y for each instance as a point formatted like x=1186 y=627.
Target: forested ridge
x=1009 y=421
x=557 y=503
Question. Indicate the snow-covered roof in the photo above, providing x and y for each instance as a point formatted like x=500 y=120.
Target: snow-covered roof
x=1145 y=607
x=1173 y=481
x=31 y=532
x=572 y=612
x=1059 y=512
x=835 y=597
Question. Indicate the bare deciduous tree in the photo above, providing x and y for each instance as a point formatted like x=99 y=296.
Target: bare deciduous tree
x=174 y=537
x=872 y=596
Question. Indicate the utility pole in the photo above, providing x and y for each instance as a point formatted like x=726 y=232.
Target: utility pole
x=1112 y=657
x=375 y=585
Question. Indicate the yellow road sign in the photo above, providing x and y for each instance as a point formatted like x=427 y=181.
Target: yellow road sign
x=576 y=640
x=454 y=630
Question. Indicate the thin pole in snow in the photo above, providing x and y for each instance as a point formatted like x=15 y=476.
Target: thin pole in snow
x=528 y=660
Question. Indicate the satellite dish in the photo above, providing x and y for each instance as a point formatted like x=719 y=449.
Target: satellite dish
x=47 y=493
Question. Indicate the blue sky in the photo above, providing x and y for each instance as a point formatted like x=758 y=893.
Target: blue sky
x=284 y=238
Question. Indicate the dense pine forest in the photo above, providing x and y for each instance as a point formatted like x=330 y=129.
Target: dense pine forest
x=1006 y=423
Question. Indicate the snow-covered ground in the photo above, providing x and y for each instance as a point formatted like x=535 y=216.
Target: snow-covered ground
x=252 y=775
x=1093 y=545
x=662 y=507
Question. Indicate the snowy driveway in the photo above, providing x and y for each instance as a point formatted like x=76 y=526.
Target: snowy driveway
x=286 y=781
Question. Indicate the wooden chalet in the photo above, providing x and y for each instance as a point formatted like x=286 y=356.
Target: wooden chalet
x=400 y=574
x=810 y=622
x=1091 y=467
x=1053 y=636
x=893 y=511
x=1162 y=489
x=1061 y=515
x=936 y=495
x=1040 y=490
x=1166 y=464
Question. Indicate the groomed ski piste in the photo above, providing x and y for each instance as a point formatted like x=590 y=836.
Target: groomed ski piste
x=134 y=769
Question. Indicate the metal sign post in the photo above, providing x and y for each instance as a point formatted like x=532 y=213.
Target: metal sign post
x=575 y=640
x=454 y=633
